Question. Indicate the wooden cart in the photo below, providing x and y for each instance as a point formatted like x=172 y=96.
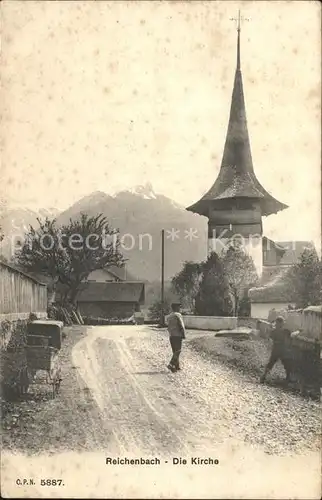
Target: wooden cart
x=43 y=358
x=42 y=354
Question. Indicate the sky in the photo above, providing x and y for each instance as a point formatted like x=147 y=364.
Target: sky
x=108 y=95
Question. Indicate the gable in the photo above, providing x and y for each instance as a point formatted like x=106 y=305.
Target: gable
x=111 y=273
x=102 y=275
x=283 y=253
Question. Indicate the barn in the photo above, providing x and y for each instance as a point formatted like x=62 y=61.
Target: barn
x=110 y=299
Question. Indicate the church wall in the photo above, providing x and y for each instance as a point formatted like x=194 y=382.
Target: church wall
x=236 y=215
x=210 y=322
x=230 y=230
x=261 y=310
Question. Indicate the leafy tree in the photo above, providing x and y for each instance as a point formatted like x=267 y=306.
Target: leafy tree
x=240 y=273
x=213 y=295
x=305 y=279
x=186 y=283
x=69 y=253
x=244 y=308
x=155 y=310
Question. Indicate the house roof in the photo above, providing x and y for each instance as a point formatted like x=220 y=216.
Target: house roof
x=293 y=250
x=111 y=273
x=276 y=290
x=17 y=269
x=314 y=309
x=289 y=251
x=120 y=272
x=112 y=292
x=237 y=178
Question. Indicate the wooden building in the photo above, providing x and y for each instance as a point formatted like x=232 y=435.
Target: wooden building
x=110 y=292
x=20 y=293
x=274 y=292
x=110 y=299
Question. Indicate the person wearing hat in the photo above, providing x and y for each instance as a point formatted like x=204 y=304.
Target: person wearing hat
x=177 y=332
x=281 y=341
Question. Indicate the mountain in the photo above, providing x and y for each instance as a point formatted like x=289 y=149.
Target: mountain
x=15 y=222
x=140 y=214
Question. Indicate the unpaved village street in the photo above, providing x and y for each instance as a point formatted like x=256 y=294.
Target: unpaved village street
x=118 y=399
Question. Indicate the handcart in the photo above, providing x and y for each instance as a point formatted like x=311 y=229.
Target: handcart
x=42 y=354
x=43 y=358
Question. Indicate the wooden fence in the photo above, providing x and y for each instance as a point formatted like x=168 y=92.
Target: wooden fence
x=20 y=293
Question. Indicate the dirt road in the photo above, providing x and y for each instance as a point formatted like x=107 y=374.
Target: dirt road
x=154 y=411
x=266 y=441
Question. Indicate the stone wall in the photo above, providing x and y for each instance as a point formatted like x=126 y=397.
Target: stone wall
x=210 y=322
x=308 y=321
x=261 y=309
x=247 y=323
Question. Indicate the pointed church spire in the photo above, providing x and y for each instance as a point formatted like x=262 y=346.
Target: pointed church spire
x=238 y=42
x=236 y=178
x=237 y=153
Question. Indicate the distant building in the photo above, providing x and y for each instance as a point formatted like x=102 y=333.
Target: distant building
x=111 y=299
x=110 y=293
x=111 y=273
x=275 y=291
x=279 y=255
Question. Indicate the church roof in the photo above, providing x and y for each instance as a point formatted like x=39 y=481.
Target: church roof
x=236 y=178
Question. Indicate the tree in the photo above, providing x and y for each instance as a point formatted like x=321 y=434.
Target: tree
x=186 y=283
x=241 y=275
x=305 y=279
x=213 y=296
x=69 y=253
x=155 y=310
x=244 y=308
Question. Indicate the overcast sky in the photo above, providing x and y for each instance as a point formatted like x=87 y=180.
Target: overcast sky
x=107 y=95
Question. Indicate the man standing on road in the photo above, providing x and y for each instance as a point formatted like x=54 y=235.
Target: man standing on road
x=281 y=343
x=176 y=331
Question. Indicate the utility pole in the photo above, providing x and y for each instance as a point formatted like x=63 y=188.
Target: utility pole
x=162 y=278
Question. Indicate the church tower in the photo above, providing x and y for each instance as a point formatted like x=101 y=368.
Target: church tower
x=236 y=202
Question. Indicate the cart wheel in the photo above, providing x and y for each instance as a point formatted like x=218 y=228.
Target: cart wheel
x=58 y=385
x=55 y=385
x=24 y=381
x=58 y=378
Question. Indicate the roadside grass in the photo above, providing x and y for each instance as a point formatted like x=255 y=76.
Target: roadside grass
x=37 y=423
x=247 y=356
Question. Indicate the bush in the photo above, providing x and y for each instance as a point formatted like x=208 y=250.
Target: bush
x=213 y=297
x=155 y=310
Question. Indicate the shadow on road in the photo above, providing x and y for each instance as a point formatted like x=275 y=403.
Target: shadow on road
x=150 y=373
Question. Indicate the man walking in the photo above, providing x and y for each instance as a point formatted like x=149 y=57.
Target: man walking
x=176 y=331
x=280 y=350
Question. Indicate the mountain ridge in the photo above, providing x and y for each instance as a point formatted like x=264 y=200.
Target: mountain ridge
x=139 y=213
